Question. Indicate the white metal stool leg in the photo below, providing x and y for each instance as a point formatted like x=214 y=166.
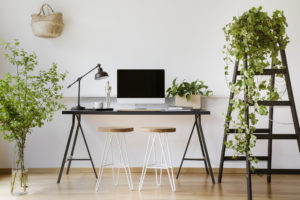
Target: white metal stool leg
x=146 y=160
x=171 y=177
x=107 y=146
x=144 y=164
x=157 y=181
x=125 y=161
x=166 y=162
x=166 y=144
x=116 y=182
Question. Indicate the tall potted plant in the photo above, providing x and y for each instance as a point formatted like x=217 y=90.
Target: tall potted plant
x=28 y=98
x=257 y=37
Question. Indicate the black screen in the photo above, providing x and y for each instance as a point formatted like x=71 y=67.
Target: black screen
x=136 y=83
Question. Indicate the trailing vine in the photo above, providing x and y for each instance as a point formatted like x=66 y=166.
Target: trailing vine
x=257 y=38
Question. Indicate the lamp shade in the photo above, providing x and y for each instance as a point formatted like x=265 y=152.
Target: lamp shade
x=101 y=74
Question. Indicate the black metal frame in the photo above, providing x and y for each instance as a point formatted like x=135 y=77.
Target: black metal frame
x=268 y=131
x=70 y=159
x=76 y=115
x=205 y=155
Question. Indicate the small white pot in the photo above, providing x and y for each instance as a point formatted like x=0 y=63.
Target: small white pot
x=195 y=101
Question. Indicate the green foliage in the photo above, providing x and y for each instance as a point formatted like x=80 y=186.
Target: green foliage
x=28 y=98
x=258 y=37
x=187 y=89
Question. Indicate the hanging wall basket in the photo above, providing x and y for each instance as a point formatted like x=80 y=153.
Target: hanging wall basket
x=47 y=23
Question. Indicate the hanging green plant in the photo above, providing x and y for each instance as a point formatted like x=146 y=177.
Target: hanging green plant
x=257 y=38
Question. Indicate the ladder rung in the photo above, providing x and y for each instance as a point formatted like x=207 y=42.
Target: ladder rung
x=276 y=136
x=258 y=130
x=268 y=72
x=239 y=158
x=276 y=171
x=274 y=103
x=195 y=159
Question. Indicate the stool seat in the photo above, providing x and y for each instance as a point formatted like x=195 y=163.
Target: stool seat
x=158 y=129
x=115 y=129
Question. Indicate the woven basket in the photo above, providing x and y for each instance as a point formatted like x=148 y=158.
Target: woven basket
x=47 y=24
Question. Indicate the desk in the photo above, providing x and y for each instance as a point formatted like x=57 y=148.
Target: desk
x=76 y=116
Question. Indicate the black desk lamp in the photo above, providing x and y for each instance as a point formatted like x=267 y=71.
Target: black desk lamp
x=98 y=76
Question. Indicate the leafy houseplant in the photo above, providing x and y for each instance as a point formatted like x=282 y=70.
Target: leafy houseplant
x=27 y=100
x=257 y=37
x=188 y=94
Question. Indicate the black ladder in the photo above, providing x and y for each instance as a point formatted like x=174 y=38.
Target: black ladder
x=264 y=133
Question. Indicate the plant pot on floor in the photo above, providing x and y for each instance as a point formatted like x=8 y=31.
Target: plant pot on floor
x=194 y=101
x=19 y=181
x=19 y=175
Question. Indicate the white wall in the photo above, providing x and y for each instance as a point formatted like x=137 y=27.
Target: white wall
x=182 y=36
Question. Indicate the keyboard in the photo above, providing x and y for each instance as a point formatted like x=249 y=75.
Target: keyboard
x=140 y=109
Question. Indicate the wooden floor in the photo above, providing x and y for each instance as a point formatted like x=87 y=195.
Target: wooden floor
x=80 y=186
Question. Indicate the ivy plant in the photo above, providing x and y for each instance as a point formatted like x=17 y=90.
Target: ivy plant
x=257 y=37
x=187 y=89
x=28 y=98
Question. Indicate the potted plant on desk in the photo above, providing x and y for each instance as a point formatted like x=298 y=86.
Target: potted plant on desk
x=188 y=94
x=27 y=99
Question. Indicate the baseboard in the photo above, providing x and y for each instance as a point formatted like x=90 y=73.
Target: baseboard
x=4 y=171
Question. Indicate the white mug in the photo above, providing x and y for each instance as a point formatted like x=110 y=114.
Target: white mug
x=98 y=105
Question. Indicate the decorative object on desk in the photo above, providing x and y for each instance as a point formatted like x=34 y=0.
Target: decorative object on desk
x=108 y=91
x=188 y=94
x=98 y=105
x=27 y=100
x=47 y=23
x=98 y=76
x=100 y=109
x=264 y=37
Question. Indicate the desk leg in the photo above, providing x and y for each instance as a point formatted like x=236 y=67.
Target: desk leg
x=201 y=135
x=86 y=145
x=73 y=148
x=66 y=151
x=203 y=154
x=186 y=148
x=193 y=159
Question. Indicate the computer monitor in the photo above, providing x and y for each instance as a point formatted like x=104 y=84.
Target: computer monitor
x=141 y=86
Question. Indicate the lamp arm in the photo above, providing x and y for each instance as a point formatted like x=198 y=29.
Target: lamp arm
x=79 y=78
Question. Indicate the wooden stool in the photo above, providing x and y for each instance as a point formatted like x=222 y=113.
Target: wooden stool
x=159 y=133
x=116 y=133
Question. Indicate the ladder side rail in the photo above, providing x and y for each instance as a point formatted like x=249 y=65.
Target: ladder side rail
x=291 y=96
x=234 y=77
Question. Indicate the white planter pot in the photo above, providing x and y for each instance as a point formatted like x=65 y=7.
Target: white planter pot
x=195 y=101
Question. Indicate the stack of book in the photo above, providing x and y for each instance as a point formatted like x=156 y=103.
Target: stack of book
x=179 y=108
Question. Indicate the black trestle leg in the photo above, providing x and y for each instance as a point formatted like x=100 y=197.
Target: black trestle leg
x=201 y=135
x=66 y=150
x=186 y=148
x=73 y=148
x=202 y=150
x=86 y=145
